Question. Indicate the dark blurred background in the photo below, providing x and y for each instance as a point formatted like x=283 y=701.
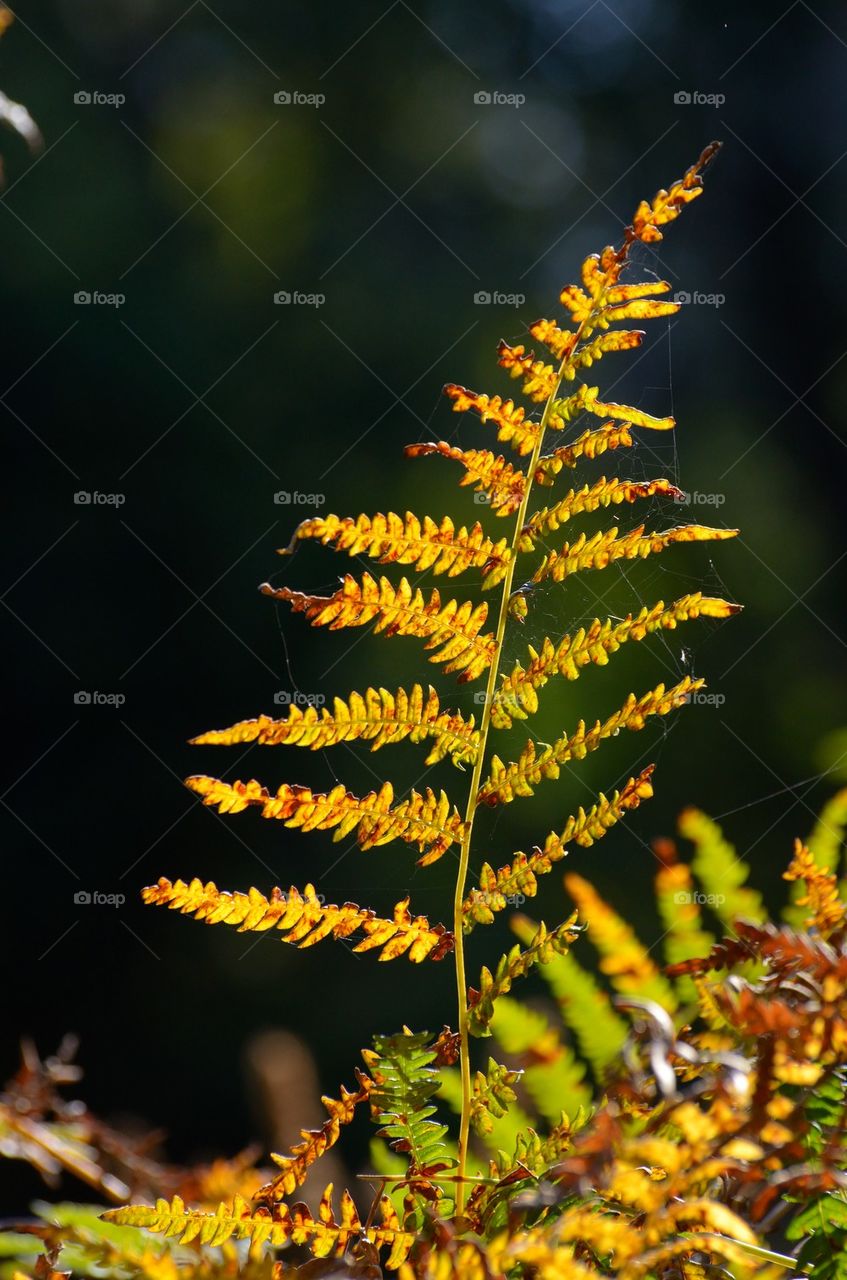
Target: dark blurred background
x=396 y=199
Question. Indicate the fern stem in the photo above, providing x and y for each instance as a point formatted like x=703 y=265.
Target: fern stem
x=470 y=813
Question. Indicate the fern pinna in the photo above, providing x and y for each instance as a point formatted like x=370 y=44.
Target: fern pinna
x=552 y=435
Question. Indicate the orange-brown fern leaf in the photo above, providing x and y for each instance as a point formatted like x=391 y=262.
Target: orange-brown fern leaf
x=520 y=876
x=623 y=958
x=591 y=444
x=603 y=493
x=294 y=1168
x=540 y=380
x=517 y=696
x=822 y=897
x=506 y=781
x=427 y=820
x=304 y=918
x=492 y=476
x=453 y=628
x=545 y=944
x=393 y=539
x=325 y=1235
x=377 y=716
x=610 y=545
x=513 y=427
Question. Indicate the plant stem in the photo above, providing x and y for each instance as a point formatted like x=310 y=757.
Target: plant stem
x=470 y=813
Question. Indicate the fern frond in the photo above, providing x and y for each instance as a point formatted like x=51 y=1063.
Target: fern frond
x=544 y=944
x=586 y=1010
x=427 y=820
x=826 y=911
x=377 y=716
x=552 y=1074
x=621 y=302
x=679 y=910
x=405 y=1080
x=452 y=628
x=489 y=473
x=624 y=959
x=517 y=696
x=294 y=1168
x=392 y=539
x=493 y=1095
x=304 y=918
x=506 y=781
x=607 y=546
x=719 y=870
x=603 y=493
x=826 y=841
x=325 y=1235
x=519 y=877
x=584 y=400
x=513 y=426
x=540 y=380
x=590 y=445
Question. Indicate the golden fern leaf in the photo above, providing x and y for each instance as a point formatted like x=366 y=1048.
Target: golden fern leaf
x=520 y=876
x=491 y=474
x=590 y=445
x=378 y=717
x=452 y=628
x=826 y=909
x=425 y=820
x=606 y=547
x=517 y=696
x=294 y=1168
x=392 y=539
x=325 y=1235
x=678 y=904
x=513 y=427
x=304 y=918
x=506 y=781
x=584 y=400
x=545 y=944
x=625 y=961
x=603 y=493
x=604 y=344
